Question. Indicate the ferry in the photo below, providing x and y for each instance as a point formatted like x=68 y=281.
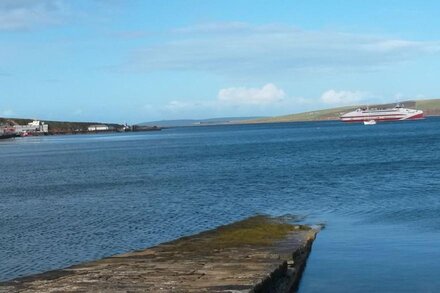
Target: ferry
x=399 y=112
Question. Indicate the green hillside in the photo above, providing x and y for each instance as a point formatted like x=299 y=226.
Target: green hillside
x=327 y=114
x=429 y=107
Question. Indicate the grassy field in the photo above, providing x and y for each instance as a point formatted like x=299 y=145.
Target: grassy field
x=429 y=107
x=327 y=114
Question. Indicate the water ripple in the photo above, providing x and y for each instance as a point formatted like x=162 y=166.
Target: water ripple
x=64 y=200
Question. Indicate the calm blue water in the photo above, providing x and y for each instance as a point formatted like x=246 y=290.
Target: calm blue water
x=67 y=199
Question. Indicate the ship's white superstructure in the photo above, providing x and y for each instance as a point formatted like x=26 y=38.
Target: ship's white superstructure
x=399 y=112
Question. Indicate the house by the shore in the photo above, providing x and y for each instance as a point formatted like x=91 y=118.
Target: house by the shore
x=98 y=127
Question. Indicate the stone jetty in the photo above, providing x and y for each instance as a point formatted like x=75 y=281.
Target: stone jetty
x=258 y=254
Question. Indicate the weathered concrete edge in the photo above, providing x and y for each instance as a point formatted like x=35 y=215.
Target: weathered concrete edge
x=284 y=278
x=287 y=277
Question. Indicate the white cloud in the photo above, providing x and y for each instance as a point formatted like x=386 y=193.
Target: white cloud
x=214 y=27
x=342 y=97
x=26 y=14
x=233 y=101
x=268 y=94
x=245 y=49
x=176 y=106
x=227 y=99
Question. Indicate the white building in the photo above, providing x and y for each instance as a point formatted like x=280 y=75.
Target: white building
x=34 y=126
x=98 y=127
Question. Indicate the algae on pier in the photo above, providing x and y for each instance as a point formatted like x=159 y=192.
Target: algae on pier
x=259 y=254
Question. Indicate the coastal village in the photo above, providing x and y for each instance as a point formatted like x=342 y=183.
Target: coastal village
x=10 y=128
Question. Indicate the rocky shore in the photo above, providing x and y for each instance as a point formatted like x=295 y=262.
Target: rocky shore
x=258 y=254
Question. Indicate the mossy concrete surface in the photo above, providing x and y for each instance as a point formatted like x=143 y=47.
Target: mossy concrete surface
x=258 y=254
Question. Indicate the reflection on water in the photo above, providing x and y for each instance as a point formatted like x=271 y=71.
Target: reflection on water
x=68 y=199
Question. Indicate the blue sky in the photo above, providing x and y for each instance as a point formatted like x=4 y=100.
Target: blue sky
x=133 y=61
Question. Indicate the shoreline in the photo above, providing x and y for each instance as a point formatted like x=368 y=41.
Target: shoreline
x=80 y=133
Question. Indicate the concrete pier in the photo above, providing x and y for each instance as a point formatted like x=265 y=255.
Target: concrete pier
x=259 y=254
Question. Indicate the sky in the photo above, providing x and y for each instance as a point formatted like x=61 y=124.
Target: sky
x=143 y=60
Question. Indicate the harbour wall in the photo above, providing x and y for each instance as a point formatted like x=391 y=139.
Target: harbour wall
x=258 y=254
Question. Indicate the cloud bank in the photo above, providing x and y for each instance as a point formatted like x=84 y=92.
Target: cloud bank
x=245 y=49
x=27 y=14
x=249 y=101
x=333 y=97
x=268 y=94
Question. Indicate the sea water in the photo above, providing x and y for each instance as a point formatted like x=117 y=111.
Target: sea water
x=70 y=199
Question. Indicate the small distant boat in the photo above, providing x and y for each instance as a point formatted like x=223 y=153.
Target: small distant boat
x=370 y=122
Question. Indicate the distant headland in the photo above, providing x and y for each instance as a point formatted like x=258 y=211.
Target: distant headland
x=429 y=107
